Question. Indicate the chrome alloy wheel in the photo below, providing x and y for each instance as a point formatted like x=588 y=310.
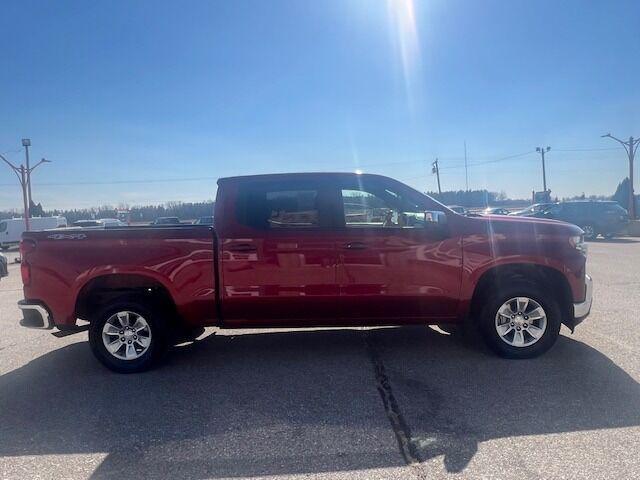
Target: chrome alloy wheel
x=521 y=322
x=126 y=335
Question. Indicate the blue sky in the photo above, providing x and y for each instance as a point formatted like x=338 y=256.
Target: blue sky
x=149 y=101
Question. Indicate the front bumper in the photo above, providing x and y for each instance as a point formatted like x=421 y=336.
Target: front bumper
x=35 y=315
x=582 y=309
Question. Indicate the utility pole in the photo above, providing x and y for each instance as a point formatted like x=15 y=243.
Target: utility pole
x=466 y=168
x=631 y=147
x=435 y=169
x=542 y=151
x=23 y=175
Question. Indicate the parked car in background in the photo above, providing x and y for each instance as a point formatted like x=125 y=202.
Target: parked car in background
x=204 y=221
x=99 y=223
x=11 y=230
x=594 y=217
x=86 y=223
x=166 y=221
x=112 y=222
x=495 y=211
x=309 y=250
x=4 y=270
x=532 y=210
x=458 y=209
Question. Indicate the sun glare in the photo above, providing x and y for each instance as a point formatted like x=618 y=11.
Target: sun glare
x=405 y=35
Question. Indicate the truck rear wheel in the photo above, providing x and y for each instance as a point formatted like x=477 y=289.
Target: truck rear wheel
x=520 y=321
x=128 y=336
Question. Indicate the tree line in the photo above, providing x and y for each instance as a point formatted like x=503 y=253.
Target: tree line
x=146 y=213
x=193 y=210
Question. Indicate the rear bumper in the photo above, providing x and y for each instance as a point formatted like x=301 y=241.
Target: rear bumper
x=581 y=310
x=35 y=315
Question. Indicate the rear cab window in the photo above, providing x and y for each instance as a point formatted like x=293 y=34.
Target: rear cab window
x=281 y=206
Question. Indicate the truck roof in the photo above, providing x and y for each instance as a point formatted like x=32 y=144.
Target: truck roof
x=299 y=176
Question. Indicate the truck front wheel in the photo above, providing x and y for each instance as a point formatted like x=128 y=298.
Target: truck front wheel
x=127 y=336
x=520 y=321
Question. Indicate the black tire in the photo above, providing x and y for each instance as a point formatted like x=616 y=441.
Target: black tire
x=158 y=338
x=498 y=297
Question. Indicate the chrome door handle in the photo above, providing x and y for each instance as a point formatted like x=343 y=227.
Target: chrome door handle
x=355 y=246
x=243 y=248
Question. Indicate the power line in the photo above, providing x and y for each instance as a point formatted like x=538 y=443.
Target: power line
x=380 y=164
x=122 y=182
x=496 y=160
x=594 y=149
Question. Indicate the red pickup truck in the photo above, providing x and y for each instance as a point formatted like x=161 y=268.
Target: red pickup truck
x=308 y=250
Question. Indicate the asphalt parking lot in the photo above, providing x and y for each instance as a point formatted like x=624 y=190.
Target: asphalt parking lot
x=346 y=403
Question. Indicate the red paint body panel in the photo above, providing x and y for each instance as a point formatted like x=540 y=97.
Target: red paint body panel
x=179 y=259
x=404 y=274
x=301 y=277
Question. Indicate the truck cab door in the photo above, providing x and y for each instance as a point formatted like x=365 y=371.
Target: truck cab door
x=393 y=265
x=278 y=259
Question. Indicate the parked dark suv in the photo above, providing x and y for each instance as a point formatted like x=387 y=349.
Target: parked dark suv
x=594 y=217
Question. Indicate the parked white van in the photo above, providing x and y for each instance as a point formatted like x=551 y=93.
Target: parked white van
x=11 y=229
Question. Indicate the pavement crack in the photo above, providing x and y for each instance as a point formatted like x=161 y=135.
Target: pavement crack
x=400 y=428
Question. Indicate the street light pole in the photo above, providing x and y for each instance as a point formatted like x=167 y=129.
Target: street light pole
x=23 y=175
x=24 y=183
x=631 y=147
x=26 y=143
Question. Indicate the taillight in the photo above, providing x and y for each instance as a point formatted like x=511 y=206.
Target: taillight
x=25 y=271
x=26 y=247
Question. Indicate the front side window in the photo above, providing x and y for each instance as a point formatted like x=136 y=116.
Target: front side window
x=380 y=207
x=3 y=226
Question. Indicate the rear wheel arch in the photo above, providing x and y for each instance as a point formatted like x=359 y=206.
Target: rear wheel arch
x=99 y=291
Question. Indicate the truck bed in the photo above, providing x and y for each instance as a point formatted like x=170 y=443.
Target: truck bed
x=62 y=264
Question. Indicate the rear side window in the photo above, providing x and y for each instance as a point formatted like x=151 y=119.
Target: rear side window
x=279 y=208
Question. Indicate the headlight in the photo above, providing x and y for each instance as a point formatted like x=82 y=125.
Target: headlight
x=577 y=242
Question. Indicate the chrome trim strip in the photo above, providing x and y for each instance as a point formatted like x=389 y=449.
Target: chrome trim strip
x=582 y=309
x=46 y=319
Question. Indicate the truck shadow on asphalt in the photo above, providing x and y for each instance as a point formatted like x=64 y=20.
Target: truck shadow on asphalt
x=305 y=402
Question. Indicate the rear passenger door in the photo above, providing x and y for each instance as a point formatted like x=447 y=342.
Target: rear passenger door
x=278 y=257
